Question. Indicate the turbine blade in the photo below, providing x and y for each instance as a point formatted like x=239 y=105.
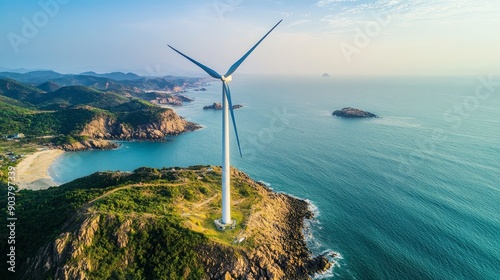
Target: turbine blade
x=238 y=63
x=210 y=72
x=228 y=94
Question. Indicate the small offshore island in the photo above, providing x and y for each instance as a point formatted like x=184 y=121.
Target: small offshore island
x=158 y=224
x=349 y=112
x=218 y=106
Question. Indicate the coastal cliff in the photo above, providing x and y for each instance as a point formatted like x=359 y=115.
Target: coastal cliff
x=89 y=144
x=158 y=224
x=166 y=123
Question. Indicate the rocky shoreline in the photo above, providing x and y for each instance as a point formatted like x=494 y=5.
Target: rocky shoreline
x=90 y=144
x=280 y=250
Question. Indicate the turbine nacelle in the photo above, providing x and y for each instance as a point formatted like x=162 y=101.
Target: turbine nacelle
x=226 y=79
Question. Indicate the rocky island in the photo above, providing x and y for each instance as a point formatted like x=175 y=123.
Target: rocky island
x=218 y=106
x=158 y=224
x=349 y=112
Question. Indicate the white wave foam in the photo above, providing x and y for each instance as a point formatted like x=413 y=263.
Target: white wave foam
x=313 y=208
x=397 y=121
x=264 y=183
x=334 y=258
x=316 y=247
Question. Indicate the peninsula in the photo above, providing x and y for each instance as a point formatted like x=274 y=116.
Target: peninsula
x=156 y=222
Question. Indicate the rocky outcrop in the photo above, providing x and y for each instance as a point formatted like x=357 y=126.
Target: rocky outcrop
x=167 y=123
x=184 y=98
x=279 y=251
x=68 y=245
x=218 y=106
x=90 y=144
x=174 y=100
x=349 y=112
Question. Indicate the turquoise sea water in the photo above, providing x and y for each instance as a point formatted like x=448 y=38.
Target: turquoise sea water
x=414 y=194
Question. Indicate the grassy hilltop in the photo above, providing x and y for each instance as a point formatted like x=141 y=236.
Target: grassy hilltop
x=158 y=224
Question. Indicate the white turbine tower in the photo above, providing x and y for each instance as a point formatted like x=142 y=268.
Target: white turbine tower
x=227 y=107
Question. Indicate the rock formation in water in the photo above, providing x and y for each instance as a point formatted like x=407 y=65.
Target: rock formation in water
x=349 y=112
x=218 y=106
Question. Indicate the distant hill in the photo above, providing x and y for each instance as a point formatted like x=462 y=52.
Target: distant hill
x=33 y=77
x=118 y=76
x=128 y=84
x=49 y=86
x=19 y=91
x=79 y=95
x=82 y=111
x=14 y=102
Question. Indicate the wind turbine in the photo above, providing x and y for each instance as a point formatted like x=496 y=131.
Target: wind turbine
x=227 y=106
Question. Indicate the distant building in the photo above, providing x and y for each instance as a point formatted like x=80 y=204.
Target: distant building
x=15 y=136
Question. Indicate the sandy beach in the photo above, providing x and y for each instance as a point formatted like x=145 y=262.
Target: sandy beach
x=32 y=171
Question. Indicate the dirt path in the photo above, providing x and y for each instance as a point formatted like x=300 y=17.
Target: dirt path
x=198 y=205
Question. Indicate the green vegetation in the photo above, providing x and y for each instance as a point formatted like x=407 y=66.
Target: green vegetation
x=19 y=91
x=133 y=105
x=150 y=221
x=78 y=95
x=159 y=249
x=15 y=119
x=66 y=111
x=142 y=117
x=12 y=117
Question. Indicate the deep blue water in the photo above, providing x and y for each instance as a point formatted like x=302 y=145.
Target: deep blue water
x=414 y=194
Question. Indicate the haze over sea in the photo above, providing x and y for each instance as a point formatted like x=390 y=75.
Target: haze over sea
x=414 y=194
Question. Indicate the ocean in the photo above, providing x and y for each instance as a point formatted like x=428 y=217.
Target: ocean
x=414 y=194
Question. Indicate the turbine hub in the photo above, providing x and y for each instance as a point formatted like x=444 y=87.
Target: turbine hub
x=227 y=79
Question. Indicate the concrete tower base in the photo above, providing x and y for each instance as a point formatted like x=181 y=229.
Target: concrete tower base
x=221 y=226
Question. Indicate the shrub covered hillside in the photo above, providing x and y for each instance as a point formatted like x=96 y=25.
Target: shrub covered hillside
x=158 y=224
x=78 y=111
x=119 y=225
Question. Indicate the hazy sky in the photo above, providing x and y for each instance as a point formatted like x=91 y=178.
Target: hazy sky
x=341 y=37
